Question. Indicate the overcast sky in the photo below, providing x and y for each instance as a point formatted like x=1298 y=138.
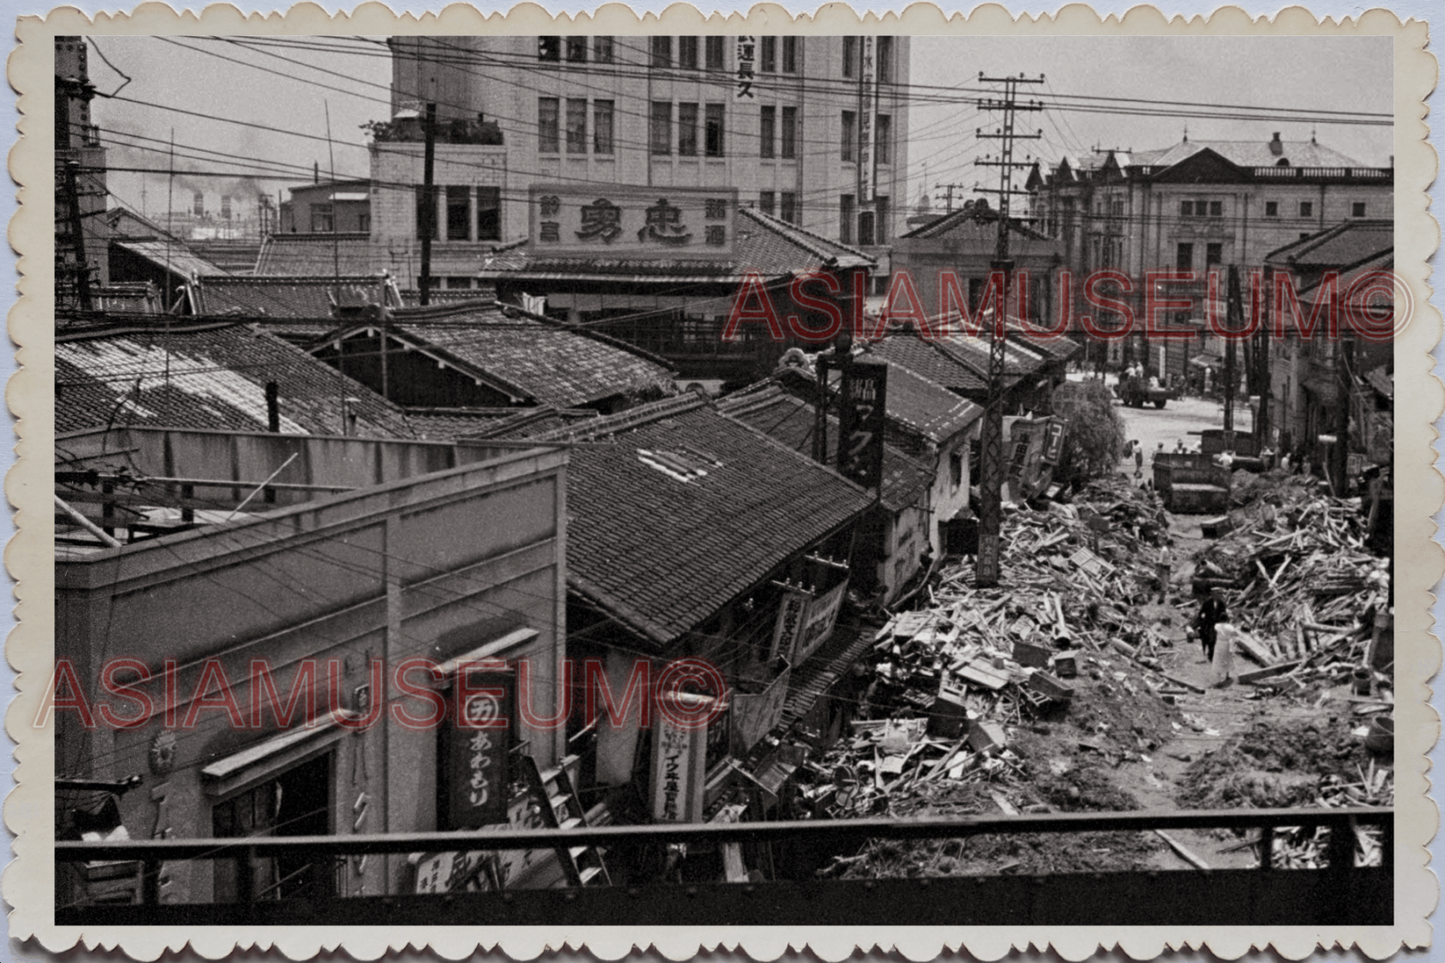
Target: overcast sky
x=1295 y=73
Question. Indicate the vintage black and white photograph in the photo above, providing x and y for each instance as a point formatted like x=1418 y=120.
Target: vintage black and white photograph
x=658 y=479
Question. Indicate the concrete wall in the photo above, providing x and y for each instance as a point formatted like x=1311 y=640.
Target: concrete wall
x=433 y=565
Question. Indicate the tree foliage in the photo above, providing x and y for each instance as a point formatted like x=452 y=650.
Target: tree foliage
x=1094 y=442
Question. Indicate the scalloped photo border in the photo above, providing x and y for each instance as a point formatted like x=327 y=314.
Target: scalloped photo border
x=27 y=883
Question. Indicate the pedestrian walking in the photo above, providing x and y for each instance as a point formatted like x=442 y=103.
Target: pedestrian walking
x=1211 y=613
x=1138 y=460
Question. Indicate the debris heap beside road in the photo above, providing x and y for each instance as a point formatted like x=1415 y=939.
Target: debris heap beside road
x=1027 y=697
x=1298 y=581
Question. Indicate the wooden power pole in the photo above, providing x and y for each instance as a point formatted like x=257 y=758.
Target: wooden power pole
x=990 y=492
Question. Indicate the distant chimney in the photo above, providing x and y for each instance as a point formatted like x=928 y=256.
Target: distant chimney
x=1276 y=146
x=316 y=172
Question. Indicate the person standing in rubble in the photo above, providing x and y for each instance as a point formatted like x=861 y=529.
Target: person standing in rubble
x=1163 y=568
x=1211 y=613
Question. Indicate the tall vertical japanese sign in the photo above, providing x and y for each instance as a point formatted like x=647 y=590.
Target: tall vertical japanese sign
x=476 y=743
x=678 y=759
x=791 y=610
x=747 y=51
x=861 y=420
x=868 y=122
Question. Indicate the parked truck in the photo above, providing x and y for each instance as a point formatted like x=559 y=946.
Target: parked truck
x=1136 y=391
x=1191 y=483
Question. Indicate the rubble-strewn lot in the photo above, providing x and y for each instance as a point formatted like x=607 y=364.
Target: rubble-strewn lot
x=1072 y=688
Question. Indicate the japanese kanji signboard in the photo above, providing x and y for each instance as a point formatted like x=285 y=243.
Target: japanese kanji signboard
x=476 y=736
x=747 y=55
x=607 y=221
x=678 y=759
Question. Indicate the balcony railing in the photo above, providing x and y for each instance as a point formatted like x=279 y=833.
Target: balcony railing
x=1342 y=893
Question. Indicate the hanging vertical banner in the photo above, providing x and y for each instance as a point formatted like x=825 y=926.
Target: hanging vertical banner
x=861 y=420
x=868 y=122
x=678 y=760
x=476 y=733
x=747 y=48
x=791 y=610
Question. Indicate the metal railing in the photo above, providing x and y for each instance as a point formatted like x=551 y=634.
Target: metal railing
x=245 y=852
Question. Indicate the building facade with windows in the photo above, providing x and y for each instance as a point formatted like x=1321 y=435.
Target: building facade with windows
x=812 y=130
x=1196 y=206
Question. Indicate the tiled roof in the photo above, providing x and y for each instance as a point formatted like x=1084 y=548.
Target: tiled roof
x=769 y=408
x=924 y=358
x=915 y=405
x=662 y=555
x=169 y=255
x=316 y=254
x=1056 y=348
x=278 y=296
x=976 y=222
x=926 y=408
x=1341 y=246
x=210 y=376
x=973 y=352
x=765 y=244
x=449 y=424
x=532 y=421
x=1248 y=153
x=533 y=358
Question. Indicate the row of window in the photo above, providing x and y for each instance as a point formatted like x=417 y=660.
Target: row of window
x=764 y=52
x=771 y=54
x=883 y=57
x=786 y=204
x=576 y=48
x=660 y=134
x=457 y=220
x=1190 y=208
x=1184 y=256
x=883 y=137
x=549 y=125
x=1307 y=209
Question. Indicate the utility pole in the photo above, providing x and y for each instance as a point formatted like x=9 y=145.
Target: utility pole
x=1234 y=322
x=74 y=227
x=384 y=317
x=950 y=188
x=1340 y=453
x=1264 y=379
x=986 y=572
x=429 y=201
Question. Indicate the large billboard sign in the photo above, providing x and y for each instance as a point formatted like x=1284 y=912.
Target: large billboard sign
x=616 y=220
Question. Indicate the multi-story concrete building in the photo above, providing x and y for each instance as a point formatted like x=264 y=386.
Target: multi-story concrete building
x=1197 y=206
x=809 y=129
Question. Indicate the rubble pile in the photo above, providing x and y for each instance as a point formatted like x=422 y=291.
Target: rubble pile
x=1304 y=763
x=1298 y=581
x=1016 y=699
